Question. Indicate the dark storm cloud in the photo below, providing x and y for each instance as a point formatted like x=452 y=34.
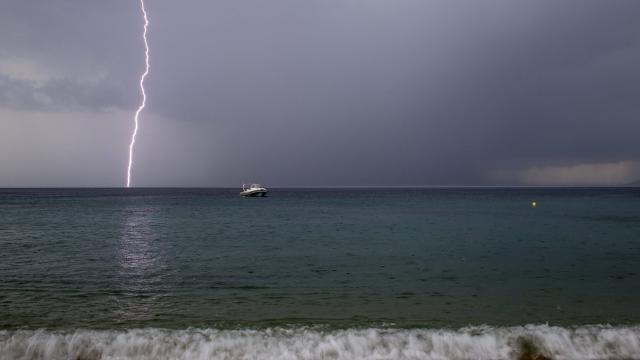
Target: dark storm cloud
x=77 y=47
x=59 y=94
x=350 y=92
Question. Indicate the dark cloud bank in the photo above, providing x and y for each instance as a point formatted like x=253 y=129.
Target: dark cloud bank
x=315 y=93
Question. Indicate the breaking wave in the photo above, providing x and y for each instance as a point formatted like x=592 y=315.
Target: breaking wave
x=484 y=342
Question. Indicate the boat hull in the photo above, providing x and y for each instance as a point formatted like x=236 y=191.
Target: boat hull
x=254 y=193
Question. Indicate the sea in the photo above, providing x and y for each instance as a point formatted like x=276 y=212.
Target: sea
x=337 y=273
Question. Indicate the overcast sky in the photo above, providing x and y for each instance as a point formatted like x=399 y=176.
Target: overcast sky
x=321 y=92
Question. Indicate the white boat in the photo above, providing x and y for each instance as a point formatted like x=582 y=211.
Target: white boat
x=253 y=190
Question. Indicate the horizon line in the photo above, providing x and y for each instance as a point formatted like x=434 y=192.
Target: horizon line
x=326 y=187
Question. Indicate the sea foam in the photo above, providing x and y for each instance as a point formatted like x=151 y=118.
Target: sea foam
x=484 y=342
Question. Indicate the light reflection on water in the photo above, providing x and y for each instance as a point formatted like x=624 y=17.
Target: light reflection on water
x=141 y=270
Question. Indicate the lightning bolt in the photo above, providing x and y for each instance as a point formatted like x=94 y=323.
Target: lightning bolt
x=144 y=94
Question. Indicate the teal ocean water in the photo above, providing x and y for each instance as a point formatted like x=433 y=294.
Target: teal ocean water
x=457 y=273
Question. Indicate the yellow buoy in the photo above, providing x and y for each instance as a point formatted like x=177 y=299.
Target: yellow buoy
x=533 y=204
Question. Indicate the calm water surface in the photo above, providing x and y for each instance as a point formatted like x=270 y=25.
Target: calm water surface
x=434 y=258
